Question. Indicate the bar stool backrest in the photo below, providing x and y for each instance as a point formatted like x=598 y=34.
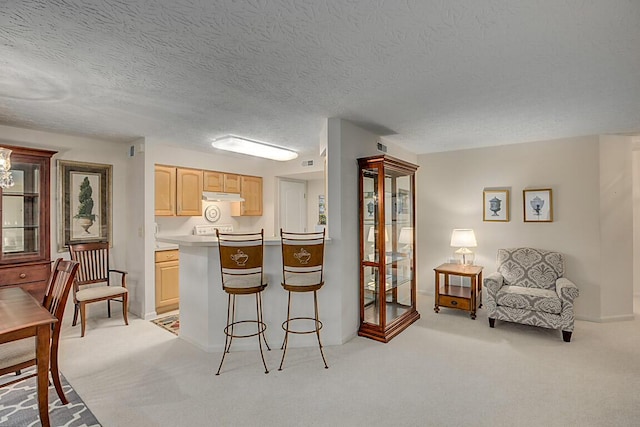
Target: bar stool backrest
x=241 y=258
x=302 y=257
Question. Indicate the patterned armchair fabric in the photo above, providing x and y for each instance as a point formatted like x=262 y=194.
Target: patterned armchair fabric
x=529 y=288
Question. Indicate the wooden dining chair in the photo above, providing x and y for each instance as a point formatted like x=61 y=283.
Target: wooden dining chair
x=94 y=270
x=20 y=354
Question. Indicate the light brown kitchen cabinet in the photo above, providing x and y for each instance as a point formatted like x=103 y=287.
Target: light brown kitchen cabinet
x=165 y=190
x=188 y=192
x=251 y=192
x=220 y=181
x=25 y=232
x=231 y=183
x=167 y=280
x=213 y=181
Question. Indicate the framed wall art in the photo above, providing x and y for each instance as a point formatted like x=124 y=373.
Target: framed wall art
x=496 y=205
x=538 y=205
x=84 y=210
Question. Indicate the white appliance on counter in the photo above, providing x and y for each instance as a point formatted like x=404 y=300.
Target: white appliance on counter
x=210 y=230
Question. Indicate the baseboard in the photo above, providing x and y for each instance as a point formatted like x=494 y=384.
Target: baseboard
x=607 y=319
x=151 y=315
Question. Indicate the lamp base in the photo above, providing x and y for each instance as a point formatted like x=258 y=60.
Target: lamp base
x=464 y=256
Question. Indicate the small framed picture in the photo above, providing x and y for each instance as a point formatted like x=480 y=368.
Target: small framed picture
x=538 y=205
x=496 y=205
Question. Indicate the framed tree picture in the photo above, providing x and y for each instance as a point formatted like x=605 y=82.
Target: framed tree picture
x=84 y=194
x=538 y=205
x=495 y=205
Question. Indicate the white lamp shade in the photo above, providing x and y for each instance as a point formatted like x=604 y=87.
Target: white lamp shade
x=372 y=235
x=406 y=235
x=463 y=238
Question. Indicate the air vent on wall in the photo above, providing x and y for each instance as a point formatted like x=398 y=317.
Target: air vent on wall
x=382 y=147
x=307 y=163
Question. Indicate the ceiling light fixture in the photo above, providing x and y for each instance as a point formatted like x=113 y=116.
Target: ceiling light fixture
x=241 y=145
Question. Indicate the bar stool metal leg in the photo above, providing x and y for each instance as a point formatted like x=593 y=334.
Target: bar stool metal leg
x=315 y=303
x=264 y=337
x=227 y=339
x=286 y=331
x=261 y=330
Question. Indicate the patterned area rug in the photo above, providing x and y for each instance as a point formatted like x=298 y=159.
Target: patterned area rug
x=171 y=323
x=19 y=406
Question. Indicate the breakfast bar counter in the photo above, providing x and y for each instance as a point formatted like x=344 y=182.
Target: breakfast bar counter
x=203 y=303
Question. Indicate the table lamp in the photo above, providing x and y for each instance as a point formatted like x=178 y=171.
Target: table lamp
x=406 y=238
x=464 y=238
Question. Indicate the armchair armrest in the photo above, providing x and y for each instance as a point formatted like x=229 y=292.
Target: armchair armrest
x=566 y=289
x=493 y=283
x=123 y=276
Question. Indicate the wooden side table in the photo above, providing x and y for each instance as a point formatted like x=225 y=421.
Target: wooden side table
x=460 y=297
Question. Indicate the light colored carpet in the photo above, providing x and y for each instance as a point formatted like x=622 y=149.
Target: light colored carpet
x=445 y=370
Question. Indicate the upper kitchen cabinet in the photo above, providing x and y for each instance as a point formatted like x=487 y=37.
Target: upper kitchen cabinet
x=25 y=232
x=220 y=181
x=165 y=184
x=188 y=192
x=178 y=191
x=251 y=192
x=231 y=183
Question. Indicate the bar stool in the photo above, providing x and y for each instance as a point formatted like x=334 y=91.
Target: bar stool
x=302 y=265
x=241 y=259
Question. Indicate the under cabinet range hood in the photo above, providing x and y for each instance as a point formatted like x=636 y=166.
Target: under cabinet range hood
x=214 y=196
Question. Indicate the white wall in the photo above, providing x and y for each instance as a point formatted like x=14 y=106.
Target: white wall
x=346 y=143
x=636 y=213
x=616 y=228
x=450 y=189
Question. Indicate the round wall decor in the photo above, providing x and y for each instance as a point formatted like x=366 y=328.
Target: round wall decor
x=212 y=213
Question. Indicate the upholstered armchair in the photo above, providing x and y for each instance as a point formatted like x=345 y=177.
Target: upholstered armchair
x=529 y=288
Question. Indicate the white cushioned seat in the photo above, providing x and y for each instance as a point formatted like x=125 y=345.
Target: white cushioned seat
x=243 y=282
x=302 y=279
x=99 y=292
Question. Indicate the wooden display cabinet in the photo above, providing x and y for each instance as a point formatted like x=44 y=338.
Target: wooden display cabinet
x=387 y=236
x=26 y=215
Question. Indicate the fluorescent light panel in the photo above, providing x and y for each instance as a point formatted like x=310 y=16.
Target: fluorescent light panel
x=253 y=148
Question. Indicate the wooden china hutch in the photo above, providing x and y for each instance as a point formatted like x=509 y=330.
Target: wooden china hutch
x=387 y=236
x=25 y=213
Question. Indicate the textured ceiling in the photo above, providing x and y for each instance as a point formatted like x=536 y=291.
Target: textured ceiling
x=436 y=75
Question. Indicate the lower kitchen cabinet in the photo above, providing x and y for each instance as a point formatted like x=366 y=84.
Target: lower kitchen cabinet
x=167 y=280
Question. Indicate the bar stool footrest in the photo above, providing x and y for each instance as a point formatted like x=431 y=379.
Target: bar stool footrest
x=285 y=325
x=262 y=327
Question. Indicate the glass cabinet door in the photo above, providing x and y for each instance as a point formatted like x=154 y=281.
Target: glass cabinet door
x=387 y=273
x=21 y=214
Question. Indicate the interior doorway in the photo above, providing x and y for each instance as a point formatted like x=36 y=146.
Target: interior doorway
x=293 y=205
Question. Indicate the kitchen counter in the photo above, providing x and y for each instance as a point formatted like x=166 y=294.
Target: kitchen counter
x=203 y=302
x=193 y=240
x=164 y=246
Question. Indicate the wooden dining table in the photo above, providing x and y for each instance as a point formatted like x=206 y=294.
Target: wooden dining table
x=21 y=316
